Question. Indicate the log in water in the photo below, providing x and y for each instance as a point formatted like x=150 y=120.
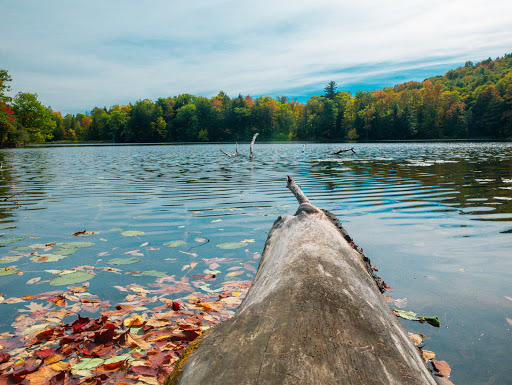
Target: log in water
x=313 y=315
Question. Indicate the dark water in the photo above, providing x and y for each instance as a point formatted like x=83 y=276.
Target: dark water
x=435 y=218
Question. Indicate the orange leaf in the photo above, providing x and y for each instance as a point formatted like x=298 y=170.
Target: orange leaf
x=442 y=367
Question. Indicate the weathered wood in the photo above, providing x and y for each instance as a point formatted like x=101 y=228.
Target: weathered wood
x=297 y=192
x=313 y=315
x=252 y=145
x=344 y=150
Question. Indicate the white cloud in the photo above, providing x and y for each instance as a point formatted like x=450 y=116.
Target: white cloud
x=77 y=56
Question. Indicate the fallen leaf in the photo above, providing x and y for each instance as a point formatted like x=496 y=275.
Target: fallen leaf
x=416 y=339
x=69 y=279
x=175 y=243
x=123 y=261
x=132 y=233
x=427 y=355
x=509 y=321
x=231 y=245
x=442 y=367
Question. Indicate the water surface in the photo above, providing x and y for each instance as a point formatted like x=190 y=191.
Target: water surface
x=435 y=218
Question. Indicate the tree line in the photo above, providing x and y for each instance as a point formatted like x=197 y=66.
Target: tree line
x=473 y=101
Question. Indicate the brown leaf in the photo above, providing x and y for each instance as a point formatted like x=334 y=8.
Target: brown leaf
x=79 y=233
x=509 y=321
x=143 y=370
x=442 y=367
x=386 y=287
x=41 y=376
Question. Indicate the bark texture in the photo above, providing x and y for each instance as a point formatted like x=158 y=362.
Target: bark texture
x=313 y=315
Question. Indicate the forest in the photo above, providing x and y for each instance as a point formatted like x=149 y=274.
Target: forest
x=470 y=102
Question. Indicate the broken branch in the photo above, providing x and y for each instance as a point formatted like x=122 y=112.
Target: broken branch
x=345 y=150
x=295 y=189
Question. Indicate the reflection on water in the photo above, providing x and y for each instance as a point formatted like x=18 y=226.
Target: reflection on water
x=435 y=218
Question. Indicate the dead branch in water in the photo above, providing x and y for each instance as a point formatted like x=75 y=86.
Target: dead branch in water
x=345 y=150
x=252 y=145
x=231 y=155
x=13 y=195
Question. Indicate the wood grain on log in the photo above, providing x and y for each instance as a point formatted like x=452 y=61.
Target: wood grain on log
x=313 y=315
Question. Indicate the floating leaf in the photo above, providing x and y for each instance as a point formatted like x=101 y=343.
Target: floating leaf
x=427 y=355
x=509 y=321
x=10 y=240
x=72 y=278
x=33 y=280
x=416 y=338
x=434 y=321
x=175 y=243
x=47 y=258
x=234 y=274
x=409 y=315
x=132 y=233
x=151 y=273
x=231 y=245
x=21 y=248
x=123 y=261
x=442 y=367
x=8 y=270
x=10 y=259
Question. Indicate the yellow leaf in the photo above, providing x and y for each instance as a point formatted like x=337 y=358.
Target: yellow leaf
x=428 y=355
x=204 y=305
x=236 y=294
x=416 y=339
x=60 y=366
x=136 y=320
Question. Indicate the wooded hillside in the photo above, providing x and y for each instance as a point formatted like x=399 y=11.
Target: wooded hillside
x=473 y=101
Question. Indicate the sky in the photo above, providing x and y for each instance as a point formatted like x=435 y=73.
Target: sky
x=79 y=55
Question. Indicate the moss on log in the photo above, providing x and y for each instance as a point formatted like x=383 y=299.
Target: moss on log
x=313 y=315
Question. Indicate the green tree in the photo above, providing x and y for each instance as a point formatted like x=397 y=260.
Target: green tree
x=5 y=78
x=33 y=118
x=187 y=124
x=330 y=90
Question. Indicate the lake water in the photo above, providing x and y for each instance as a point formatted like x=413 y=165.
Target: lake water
x=435 y=218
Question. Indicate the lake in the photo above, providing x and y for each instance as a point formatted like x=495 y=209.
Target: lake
x=435 y=218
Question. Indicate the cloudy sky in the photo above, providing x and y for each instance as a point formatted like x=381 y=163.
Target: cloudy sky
x=78 y=55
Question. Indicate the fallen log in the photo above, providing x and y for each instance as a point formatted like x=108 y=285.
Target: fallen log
x=313 y=315
x=344 y=150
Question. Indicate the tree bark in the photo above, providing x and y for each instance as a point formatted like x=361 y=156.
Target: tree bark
x=313 y=315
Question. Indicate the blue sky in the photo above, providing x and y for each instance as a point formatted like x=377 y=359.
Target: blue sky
x=78 y=55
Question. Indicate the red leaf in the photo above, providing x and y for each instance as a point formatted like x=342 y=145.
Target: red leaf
x=104 y=335
x=42 y=354
x=176 y=306
x=4 y=357
x=79 y=233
